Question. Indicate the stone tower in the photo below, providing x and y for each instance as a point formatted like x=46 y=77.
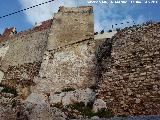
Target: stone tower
x=71 y=25
x=68 y=60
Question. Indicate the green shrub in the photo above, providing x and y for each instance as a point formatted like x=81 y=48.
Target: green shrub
x=93 y=87
x=71 y=116
x=87 y=110
x=57 y=92
x=58 y=105
x=104 y=113
x=67 y=89
x=84 y=110
x=123 y=115
x=9 y=90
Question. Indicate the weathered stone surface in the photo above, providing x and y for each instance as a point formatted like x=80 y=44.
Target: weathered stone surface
x=85 y=96
x=69 y=59
x=73 y=66
x=14 y=76
x=3 y=50
x=138 y=101
x=56 y=98
x=11 y=109
x=59 y=114
x=41 y=112
x=125 y=67
x=1 y=76
x=25 y=49
x=76 y=96
x=129 y=71
x=71 y=25
x=98 y=105
x=23 y=92
x=1 y=88
x=37 y=98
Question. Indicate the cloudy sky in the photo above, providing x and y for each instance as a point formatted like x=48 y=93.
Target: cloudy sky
x=105 y=15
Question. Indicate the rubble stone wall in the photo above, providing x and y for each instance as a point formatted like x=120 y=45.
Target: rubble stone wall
x=25 y=49
x=21 y=58
x=71 y=66
x=130 y=77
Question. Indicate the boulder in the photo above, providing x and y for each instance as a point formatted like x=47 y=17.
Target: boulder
x=98 y=104
x=1 y=88
x=37 y=98
x=56 y=98
x=40 y=112
x=79 y=95
x=1 y=76
x=59 y=114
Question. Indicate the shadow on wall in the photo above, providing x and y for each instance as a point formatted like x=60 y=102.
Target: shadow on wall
x=102 y=52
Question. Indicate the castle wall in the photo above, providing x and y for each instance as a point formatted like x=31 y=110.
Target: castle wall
x=69 y=58
x=22 y=56
x=131 y=74
x=71 y=25
x=72 y=66
x=125 y=67
x=25 y=49
x=3 y=50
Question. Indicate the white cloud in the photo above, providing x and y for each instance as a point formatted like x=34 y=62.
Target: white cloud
x=111 y=14
x=41 y=13
x=105 y=14
x=1 y=31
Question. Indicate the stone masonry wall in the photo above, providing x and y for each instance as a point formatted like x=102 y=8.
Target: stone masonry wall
x=49 y=58
x=130 y=74
x=67 y=41
x=25 y=49
x=21 y=57
x=72 y=66
x=69 y=58
x=71 y=25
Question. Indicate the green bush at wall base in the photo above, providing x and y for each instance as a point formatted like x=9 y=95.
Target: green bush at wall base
x=9 y=90
x=68 y=89
x=87 y=110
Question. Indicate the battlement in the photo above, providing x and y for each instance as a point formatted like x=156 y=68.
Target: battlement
x=64 y=23
x=81 y=9
x=11 y=33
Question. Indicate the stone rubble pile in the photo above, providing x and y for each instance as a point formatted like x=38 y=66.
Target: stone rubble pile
x=56 y=106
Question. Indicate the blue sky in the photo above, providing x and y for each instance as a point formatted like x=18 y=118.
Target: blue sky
x=105 y=14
